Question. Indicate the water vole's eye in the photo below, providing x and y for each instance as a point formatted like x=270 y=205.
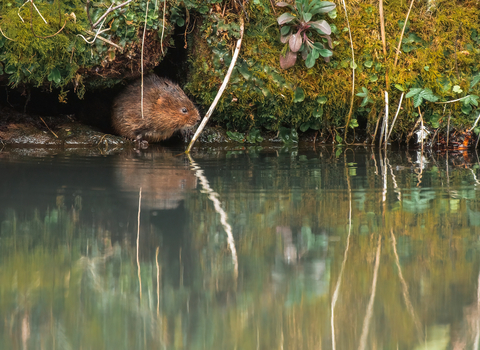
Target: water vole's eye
x=184 y=110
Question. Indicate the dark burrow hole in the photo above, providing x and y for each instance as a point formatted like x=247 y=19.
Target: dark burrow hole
x=95 y=107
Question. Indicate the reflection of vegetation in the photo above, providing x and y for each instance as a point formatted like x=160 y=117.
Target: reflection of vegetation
x=72 y=281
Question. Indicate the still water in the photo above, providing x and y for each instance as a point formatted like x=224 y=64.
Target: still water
x=240 y=248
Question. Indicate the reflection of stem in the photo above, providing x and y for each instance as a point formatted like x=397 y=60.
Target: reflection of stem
x=339 y=281
x=477 y=336
x=406 y=295
x=368 y=314
x=394 y=180
x=138 y=241
x=213 y=196
x=158 y=282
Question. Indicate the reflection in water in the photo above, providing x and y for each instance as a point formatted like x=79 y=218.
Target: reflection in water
x=240 y=249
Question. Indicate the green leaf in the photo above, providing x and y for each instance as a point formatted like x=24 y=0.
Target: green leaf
x=322 y=100
x=338 y=138
x=236 y=136
x=307 y=17
x=428 y=95
x=318 y=112
x=325 y=53
x=475 y=80
x=368 y=64
x=413 y=92
x=373 y=78
x=427 y=68
x=285 y=30
x=310 y=61
x=456 y=89
x=299 y=95
x=304 y=127
x=399 y=87
x=353 y=124
x=55 y=76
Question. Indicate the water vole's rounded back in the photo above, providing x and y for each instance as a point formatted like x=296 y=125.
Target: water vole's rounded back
x=166 y=109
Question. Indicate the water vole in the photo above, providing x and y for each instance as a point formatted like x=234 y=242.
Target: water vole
x=166 y=109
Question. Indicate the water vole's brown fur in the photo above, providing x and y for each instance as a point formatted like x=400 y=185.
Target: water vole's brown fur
x=166 y=109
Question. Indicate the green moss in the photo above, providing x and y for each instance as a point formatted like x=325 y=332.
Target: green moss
x=260 y=94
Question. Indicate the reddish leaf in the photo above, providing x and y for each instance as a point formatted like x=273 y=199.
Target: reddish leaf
x=284 y=39
x=322 y=26
x=285 y=18
x=295 y=41
x=288 y=60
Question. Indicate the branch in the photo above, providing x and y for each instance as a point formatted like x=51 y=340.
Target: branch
x=222 y=88
x=110 y=9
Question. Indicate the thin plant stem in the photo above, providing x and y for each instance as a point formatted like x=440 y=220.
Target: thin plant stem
x=353 y=73
x=386 y=119
x=369 y=313
x=110 y=9
x=141 y=58
x=163 y=24
x=344 y=262
x=448 y=127
x=403 y=31
x=396 y=115
x=138 y=242
x=474 y=124
x=222 y=88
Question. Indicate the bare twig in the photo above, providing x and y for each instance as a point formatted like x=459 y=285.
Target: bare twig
x=88 y=14
x=458 y=99
x=396 y=115
x=163 y=24
x=448 y=127
x=48 y=127
x=110 y=9
x=222 y=88
x=380 y=115
x=33 y=5
x=386 y=119
x=409 y=136
x=102 y=39
x=1 y=31
x=475 y=124
x=382 y=27
x=403 y=31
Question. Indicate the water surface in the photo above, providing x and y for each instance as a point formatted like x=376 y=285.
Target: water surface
x=240 y=248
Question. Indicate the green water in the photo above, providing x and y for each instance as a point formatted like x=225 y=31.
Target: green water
x=248 y=248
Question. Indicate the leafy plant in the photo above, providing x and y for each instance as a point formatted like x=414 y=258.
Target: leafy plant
x=298 y=28
x=420 y=94
x=366 y=97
